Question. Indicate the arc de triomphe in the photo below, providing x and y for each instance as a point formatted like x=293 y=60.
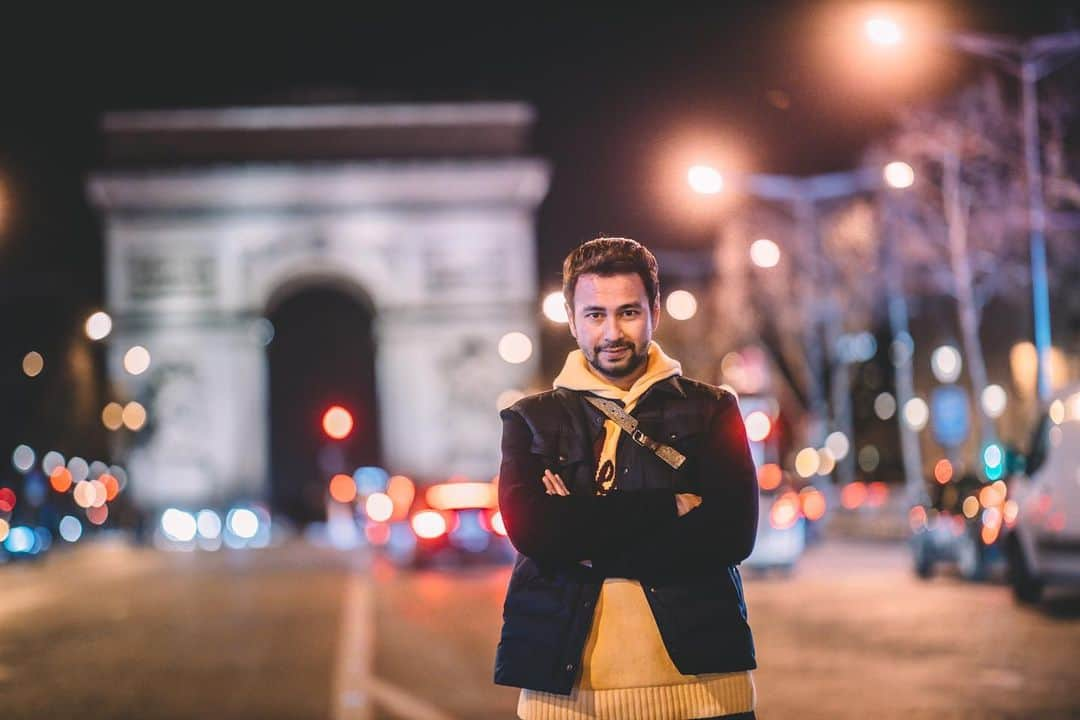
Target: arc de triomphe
x=425 y=212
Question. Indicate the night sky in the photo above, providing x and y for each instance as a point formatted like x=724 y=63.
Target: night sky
x=625 y=98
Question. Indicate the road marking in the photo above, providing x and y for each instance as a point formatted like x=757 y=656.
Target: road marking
x=356 y=655
x=356 y=689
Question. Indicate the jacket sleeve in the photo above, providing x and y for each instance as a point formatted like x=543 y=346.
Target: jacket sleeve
x=720 y=531
x=567 y=528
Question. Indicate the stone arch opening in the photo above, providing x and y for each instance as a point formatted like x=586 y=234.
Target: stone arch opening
x=322 y=354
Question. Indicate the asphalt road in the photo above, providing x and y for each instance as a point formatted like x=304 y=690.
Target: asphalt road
x=110 y=631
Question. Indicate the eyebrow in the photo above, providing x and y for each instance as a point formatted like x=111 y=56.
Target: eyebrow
x=626 y=306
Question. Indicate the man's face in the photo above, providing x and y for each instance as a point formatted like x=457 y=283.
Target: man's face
x=613 y=324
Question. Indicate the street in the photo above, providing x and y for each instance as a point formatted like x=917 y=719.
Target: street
x=110 y=631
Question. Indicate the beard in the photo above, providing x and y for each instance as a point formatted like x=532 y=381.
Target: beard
x=633 y=359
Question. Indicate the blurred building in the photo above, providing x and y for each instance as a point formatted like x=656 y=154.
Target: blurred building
x=422 y=216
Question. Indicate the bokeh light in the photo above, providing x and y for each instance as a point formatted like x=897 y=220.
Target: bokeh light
x=497 y=523
x=770 y=476
x=838 y=444
x=84 y=494
x=428 y=524
x=681 y=305
x=60 y=479
x=7 y=499
x=208 y=524
x=337 y=422
x=813 y=503
x=243 y=523
x=758 y=426
x=554 y=307
x=379 y=507
x=994 y=401
x=112 y=486
x=807 y=462
x=916 y=413
x=764 y=253
x=943 y=471
x=112 y=416
x=869 y=458
x=79 y=468
x=885 y=405
x=898 y=175
x=137 y=360
x=785 y=511
x=134 y=416
x=1057 y=412
x=946 y=364
x=23 y=458
x=70 y=528
x=853 y=495
x=970 y=506
x=98 y=515
x=98 y=326
x=826 y=461
x=33 y=363
x=100 y=493
x=343 y=488
x=178 y=525
x=515 y=347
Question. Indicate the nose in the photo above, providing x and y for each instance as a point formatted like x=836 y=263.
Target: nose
x=612 y=331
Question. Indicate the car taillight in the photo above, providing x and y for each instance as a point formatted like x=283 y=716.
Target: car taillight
x=428 y=524
x=785 y=511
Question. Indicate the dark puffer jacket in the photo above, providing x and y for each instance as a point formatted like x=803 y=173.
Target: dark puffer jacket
x=687 y=565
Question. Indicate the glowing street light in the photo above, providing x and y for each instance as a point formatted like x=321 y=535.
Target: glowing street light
x=764 y=253
x=898 y=175
x=1029 y=60
x=883 y=31
x=705 y=179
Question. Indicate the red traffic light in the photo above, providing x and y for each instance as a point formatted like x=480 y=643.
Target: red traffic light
x=337 y=422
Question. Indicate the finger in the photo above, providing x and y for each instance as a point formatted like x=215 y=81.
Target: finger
x=561 y=486
x=548 y=486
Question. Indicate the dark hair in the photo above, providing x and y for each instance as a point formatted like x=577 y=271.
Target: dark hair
x=611 y=256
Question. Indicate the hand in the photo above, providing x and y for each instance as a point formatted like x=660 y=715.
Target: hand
x=553 y=484
x=685 y=502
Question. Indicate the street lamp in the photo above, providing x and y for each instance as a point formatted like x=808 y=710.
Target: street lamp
x=1029 y=61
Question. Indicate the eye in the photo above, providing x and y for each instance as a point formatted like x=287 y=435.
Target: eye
x=592 y=315
x=631 y=313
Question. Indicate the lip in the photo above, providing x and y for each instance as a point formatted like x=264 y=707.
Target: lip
x=616 y=352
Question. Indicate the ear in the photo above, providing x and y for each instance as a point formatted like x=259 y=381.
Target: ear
x=570 y=320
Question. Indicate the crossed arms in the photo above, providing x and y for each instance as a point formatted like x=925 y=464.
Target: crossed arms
x=635 y=534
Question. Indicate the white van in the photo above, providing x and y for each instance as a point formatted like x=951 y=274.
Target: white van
x=1044 y=544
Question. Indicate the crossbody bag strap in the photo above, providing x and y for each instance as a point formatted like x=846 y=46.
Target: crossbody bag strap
x=629 y=424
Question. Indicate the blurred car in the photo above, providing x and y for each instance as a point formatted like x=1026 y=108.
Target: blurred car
x=960 y=525
x=1043 y=546
x=786 y=505
x=450 y=523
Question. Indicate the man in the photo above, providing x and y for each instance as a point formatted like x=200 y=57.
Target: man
x=625 y=601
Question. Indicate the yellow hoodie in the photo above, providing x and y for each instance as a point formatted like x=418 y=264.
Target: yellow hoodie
x=626 y=672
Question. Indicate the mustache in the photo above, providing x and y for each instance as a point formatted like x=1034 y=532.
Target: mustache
x=615 y=346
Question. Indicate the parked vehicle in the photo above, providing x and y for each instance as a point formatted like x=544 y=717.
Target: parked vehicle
x=453 y=522
x=1043 y=546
